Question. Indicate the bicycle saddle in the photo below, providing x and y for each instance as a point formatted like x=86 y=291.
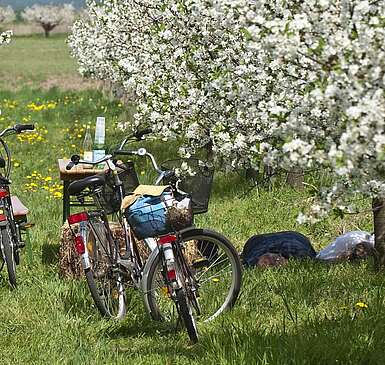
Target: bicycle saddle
x=78 y=186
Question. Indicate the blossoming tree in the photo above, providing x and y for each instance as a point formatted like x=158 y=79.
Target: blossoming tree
x=49 y=16
x=188 y=67
x=333 y=109
x=299 y=84
x=5 y=37
x=7 y=15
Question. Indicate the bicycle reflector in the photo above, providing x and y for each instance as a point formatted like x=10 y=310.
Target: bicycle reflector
x=166 y=239
x=77 y=218
x=171 y=274
x=79 y=245
x=3 y=193
x=165 y=242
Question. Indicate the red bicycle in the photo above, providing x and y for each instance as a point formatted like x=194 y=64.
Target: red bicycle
x=13 y=215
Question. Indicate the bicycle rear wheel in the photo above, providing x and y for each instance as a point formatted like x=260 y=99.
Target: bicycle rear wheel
x=104 y=280
x=8 y=251
x=213 y=281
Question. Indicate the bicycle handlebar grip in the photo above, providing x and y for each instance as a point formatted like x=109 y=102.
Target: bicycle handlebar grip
x=23 y=127
x=74 y=161
x=140 y=134
x=124 y=152
x=70 y=165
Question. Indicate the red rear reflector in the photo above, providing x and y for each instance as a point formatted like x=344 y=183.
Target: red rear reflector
x=166 y=239
x=77 y=218
x=79 y=245
x=171 y=275
x=3 y=193
x=3 y=217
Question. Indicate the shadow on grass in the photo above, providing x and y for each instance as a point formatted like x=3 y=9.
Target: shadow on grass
x=170 y=340
x=50 y=254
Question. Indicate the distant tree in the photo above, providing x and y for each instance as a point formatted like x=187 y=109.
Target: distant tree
x=7 y=15
x=49 y=16
x=5 y=37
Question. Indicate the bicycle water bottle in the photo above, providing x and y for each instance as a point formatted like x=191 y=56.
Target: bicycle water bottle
x=100 y=133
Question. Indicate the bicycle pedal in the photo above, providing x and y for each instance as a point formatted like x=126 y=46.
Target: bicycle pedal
x=26 y=225
x=200 y=263
x=127 y=263
x=126 y=256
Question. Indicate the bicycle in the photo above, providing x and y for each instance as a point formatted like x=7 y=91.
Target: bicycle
x=10 y=226
x=212 y=276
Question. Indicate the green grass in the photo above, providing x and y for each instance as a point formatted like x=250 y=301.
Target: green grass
x=36 y=61
x=304 y=313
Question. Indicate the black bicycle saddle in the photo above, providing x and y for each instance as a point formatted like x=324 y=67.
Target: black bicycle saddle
x=78 y=186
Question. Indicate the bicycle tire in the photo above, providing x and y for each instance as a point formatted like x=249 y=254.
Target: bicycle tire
x=8 y=255
x=107 y=289
x=215 y=301
x=186 y=313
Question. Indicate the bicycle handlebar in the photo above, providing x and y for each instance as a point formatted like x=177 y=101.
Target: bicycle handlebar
x=17 y=128
x=23 y=127
x=75 y=160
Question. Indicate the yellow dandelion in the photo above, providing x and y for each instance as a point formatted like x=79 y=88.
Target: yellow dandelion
x=361 y=305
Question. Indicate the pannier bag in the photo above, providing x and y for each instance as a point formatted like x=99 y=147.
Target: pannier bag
x=287 y=244
x=152 y=216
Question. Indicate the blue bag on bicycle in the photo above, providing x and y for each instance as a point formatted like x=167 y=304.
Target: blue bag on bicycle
x=147 y=215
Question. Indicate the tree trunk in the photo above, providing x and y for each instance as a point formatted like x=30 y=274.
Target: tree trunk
x=378 y=206
x=252 y=174
x=295 y=178
x=46 y=33
x=209 y=151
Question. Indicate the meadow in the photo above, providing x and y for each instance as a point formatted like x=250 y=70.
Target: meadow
x=302 y=313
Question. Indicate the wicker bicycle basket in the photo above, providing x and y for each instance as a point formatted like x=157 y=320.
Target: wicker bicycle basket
x=109 y=199
x=198 y=184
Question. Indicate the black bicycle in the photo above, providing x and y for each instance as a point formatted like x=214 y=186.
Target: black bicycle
x=12 y=213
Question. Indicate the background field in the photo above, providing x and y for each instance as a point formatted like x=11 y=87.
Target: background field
x=304 y=313
x=21 y=4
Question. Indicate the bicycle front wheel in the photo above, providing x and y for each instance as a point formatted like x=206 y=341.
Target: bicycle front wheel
x=214 y=277
x=104 y=280
x=186 y=312
x=8 y=252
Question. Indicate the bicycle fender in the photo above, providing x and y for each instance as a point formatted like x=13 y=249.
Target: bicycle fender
x=146 y=269
x=144 y=284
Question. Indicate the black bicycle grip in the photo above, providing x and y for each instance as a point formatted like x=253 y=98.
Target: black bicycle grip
x=23 y=127
x=74 y=161
x=70 y=165
x=140 y=134
x=123 y=153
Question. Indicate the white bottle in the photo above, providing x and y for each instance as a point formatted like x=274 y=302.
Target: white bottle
x=100 y=133
x=87 y=147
